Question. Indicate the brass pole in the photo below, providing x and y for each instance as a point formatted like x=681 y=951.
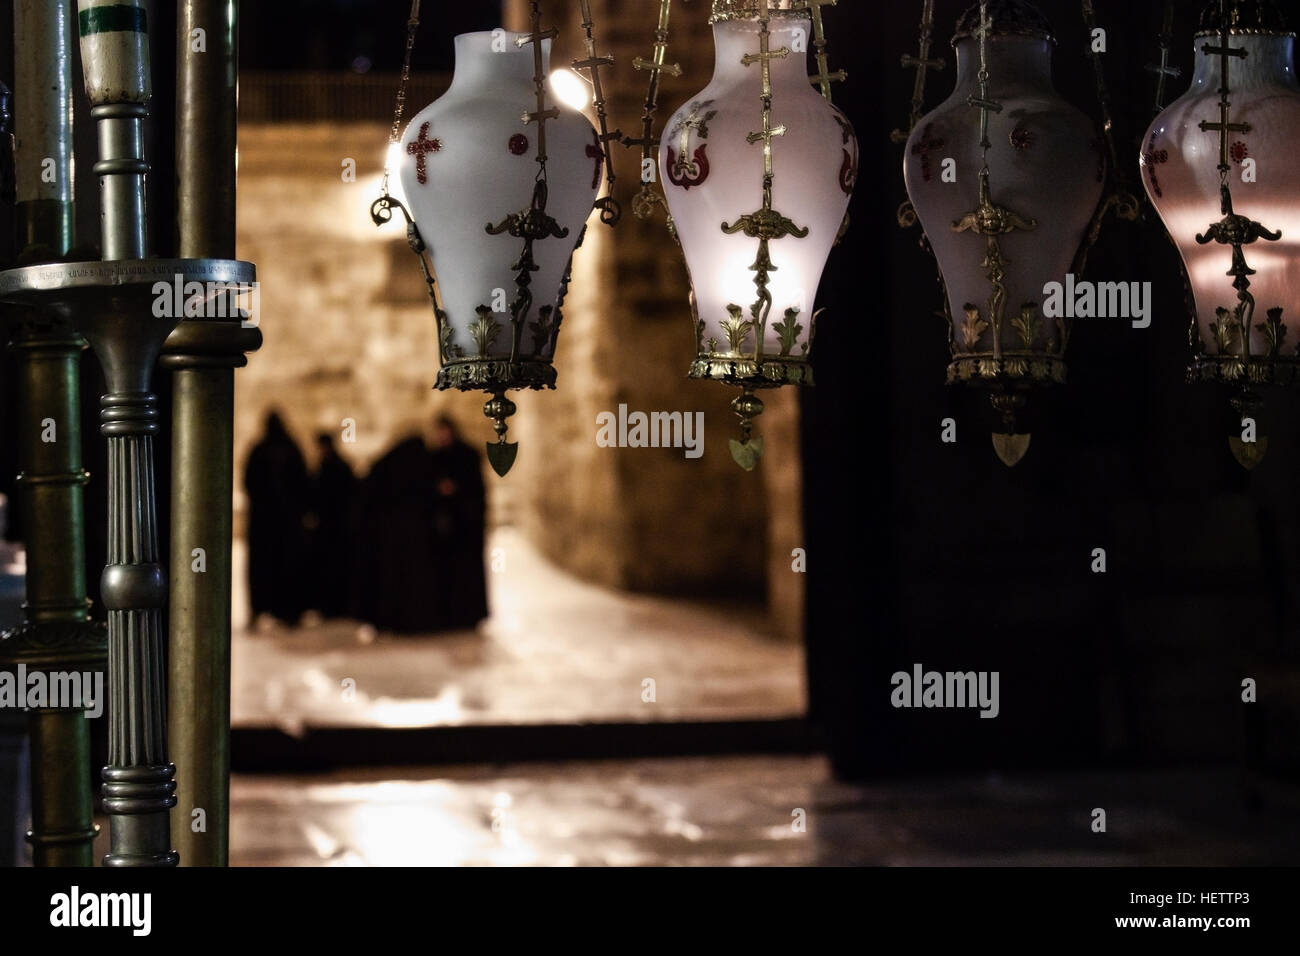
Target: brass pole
x=138 y=789
x=203 y=355
x=57 y=634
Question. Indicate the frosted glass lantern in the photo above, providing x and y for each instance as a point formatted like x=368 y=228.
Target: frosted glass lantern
x=1001 y=239
x=468 y=165
x=752 y=299
x=1254 y=344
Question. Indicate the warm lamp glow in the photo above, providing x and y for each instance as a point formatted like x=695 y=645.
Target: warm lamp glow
x=570 y=89
x=392 y=163
x=1180 y=171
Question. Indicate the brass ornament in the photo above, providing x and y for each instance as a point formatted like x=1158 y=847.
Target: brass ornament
x=724 y=10
x=648 y=198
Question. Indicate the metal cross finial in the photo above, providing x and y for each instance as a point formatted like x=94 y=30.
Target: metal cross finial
x=922 y=63
x=610 y=212
x=1164 y=71
x=646 y=199
x=981 y=100
x=1225 y=52
x=1117 y=195
x=535 y=36
x=823 y=77
x=764 y=57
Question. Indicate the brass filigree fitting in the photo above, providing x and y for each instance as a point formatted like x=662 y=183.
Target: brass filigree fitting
x=749 y=373
x=1239 y=370
x=1008 y=18
x=1244 y=18
x=1029 y=368
x=501 y=453
x=490 y=375
x=749 y=449
x=724 y=10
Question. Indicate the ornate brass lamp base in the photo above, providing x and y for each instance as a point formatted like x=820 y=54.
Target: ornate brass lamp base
x=1244 y=372
x=750 y=374
x=497 y=376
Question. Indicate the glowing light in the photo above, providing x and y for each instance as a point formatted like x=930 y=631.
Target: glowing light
x=570 y=89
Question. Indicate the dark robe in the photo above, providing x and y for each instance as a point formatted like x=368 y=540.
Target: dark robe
x=277 y=485
x=333 y=539
x=396 y=578
x=460 y=521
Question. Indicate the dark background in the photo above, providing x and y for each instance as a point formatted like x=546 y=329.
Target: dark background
x=932 y=553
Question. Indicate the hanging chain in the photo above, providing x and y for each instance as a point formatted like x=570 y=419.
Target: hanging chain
x=647 y=198
x=981 y=100
x=381 y=210
x=823 y=78
x=922 y=63
x=1118 y=194
x=610 y=211
x=395 y=134
x=1164 y=71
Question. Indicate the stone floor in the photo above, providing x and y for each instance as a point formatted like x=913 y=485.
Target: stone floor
x=747 y=811
x=556 y=650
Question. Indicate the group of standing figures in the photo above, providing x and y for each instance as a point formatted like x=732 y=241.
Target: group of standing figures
x=401 y=548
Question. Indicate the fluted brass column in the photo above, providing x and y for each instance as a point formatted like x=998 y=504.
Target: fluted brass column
x=203 y=354
x=57 y=634
x=138 y=789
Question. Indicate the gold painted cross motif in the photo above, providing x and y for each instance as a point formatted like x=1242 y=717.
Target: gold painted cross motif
x=683 y=169
x=924 y=146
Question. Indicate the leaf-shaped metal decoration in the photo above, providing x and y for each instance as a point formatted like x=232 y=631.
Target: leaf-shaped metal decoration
x=737 y=328
x=746 y=454
x=501 y=455
x=788 y=330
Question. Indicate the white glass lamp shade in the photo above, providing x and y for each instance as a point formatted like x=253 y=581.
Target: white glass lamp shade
x=712 y=175
x=469 y=160
x=1179 y=166
x=1046 y=168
